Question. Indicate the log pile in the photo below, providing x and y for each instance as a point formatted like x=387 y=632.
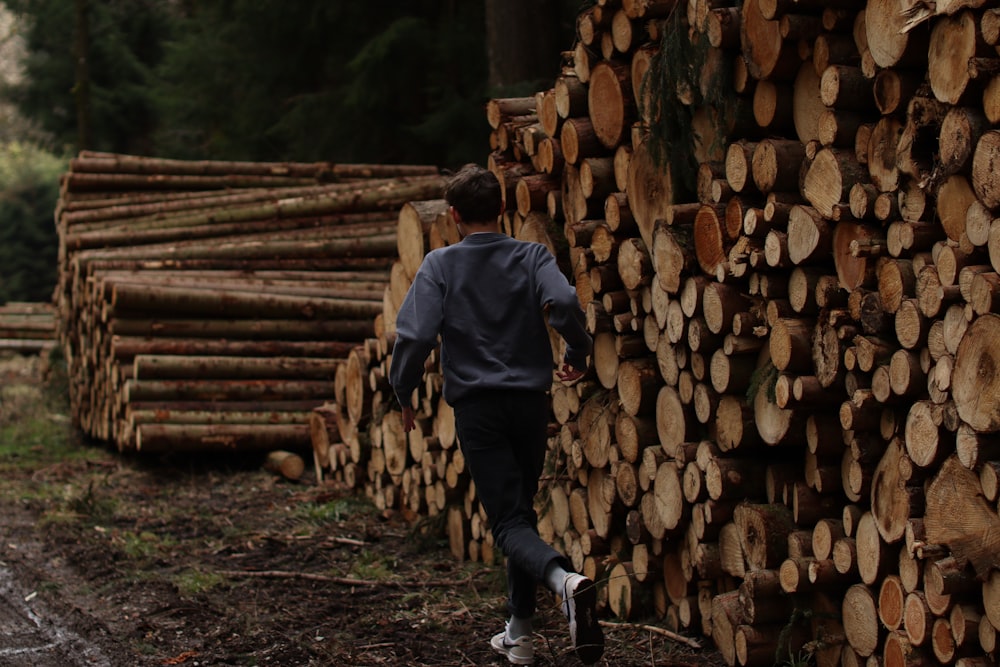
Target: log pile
x=208 y=305
x=789 y=442
x=27 y=327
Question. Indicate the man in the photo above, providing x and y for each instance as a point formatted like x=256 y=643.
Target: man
x=487 y=298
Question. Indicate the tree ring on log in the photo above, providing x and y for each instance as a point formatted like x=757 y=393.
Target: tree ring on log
x=976 y=377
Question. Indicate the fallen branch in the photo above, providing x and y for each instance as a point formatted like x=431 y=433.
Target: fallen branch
x=343 y=581
x=652 y=628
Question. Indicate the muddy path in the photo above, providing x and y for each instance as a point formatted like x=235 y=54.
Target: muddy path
x=110 y=560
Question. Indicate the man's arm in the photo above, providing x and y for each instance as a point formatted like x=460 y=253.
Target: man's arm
x=565 y=315
x=418 y=324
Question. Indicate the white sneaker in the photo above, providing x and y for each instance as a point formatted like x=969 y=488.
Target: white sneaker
x=520 y=651
x=579 y=604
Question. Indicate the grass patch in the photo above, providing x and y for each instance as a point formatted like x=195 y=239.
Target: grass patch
x=372 y=566
x=194 y=582
x=143 y=545
x=314 y=515
x=44 y=459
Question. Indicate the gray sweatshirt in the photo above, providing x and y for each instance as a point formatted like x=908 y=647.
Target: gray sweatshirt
x=486 y=297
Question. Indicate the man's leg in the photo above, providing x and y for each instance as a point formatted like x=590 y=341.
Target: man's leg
x=502 y=435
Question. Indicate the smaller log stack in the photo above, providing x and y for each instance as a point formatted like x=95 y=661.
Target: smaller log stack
x=209 y=305
x=27 y=327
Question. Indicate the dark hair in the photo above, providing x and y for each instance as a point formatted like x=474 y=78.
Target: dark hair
x=475 y=194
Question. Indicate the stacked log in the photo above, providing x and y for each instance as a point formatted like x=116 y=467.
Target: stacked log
x=788 y=443
x=209 y=305
x=27 y=327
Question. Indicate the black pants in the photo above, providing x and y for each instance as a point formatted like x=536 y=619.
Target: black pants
x=503 y=436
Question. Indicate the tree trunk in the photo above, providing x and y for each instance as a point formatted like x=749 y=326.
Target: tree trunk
x=81 y=87
x=519 y=51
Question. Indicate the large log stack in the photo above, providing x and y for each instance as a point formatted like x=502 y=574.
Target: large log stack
x=789 y=441
x=208 y=305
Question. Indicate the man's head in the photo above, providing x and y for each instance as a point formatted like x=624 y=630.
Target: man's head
x=475 y=195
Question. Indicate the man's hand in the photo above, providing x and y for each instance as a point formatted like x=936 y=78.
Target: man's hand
x=569 y=374
x=408 y=416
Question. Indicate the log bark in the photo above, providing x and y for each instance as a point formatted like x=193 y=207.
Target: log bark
x=776 y=164
x=229 y=367
x=726 y=617
x=161 y=438
x=578 y=139
x=791 y=344
x=846 y=88
x=287 y=464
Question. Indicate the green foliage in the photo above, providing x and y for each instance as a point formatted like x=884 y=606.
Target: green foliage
x=143 y=545
x=268 y=79
x=41 y=458
x=323 y=81
x=372 y=566
x=242 y=80
x=124 y=44
x=192 y=582
x=765 y=379
x=29 y=189
x=89 y=503
x=319 y=515
x=675 y=85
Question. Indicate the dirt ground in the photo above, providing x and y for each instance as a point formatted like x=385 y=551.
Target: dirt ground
x=110 y=560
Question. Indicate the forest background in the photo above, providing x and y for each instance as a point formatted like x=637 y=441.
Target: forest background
x=383 y=81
